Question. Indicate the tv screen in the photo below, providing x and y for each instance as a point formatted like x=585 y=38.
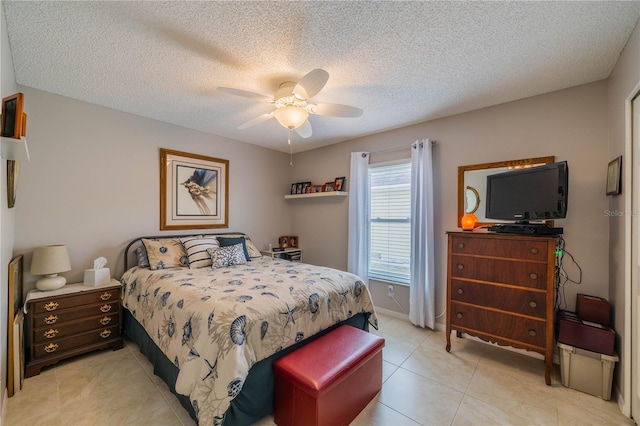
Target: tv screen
x=532 y=194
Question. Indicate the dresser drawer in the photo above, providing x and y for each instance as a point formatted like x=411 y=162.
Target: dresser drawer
x=500 y=325
x=524 y=274
x=59 y=346
x=58 y=331
x=57 y=317
x=531 y=303
x=514 y=249
x=58 y=303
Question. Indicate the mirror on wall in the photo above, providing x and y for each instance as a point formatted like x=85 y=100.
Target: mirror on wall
x=472 y=181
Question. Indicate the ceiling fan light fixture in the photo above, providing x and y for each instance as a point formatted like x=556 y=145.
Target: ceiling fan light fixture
x=291 y=117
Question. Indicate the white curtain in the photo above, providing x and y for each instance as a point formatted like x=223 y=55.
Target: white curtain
x=422 y=289
x=358 y=243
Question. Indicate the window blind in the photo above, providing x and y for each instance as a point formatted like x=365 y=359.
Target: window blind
x=390 y=222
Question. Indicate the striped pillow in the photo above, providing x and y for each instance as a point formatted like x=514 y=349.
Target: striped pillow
x=197 y=251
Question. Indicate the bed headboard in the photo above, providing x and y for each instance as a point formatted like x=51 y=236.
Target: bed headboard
x=130 y=258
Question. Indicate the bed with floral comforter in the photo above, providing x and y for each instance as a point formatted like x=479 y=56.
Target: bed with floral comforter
x=215 y=324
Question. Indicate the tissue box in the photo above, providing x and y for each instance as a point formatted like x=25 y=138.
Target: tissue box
x=96 y=277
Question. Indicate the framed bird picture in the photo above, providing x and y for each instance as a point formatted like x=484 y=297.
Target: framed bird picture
x=194 y=191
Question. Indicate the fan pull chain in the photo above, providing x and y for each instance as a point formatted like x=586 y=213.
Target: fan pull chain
x=290 y=150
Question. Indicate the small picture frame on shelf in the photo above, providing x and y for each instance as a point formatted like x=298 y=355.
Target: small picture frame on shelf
x=328 y=187
x=293 y=189
x=283 y=241
x=299 y=188
x=316 y=188
x=339 y=184
x=293 y=241
x=306 y=187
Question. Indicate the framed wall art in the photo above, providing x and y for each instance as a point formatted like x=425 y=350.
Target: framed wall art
x=194 y=191
x=613 y=176
x=14 y=125
x=15 y=304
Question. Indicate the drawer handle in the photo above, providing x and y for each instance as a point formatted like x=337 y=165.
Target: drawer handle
x=459 y=315
x=51 y=306
x=105 y=296
x=533 y=275
x=51 y=319
x=105 y=320
x=51 y=347
x=532 y=333
x=460 y=266
x=533 y=304
x=460 y=291
x=51 y=333
x=105 y=333
x=534 y=250
x=460 y=245
x=105 y=308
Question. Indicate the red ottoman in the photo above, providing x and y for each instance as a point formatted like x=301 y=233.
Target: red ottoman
x=329 y=380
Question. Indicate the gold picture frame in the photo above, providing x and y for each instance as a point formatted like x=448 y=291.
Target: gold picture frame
x=15 y=304
x=614 y=170
x=194 y=191
x=14 y=125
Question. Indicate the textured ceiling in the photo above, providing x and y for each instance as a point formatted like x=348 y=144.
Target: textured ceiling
x=401 y=62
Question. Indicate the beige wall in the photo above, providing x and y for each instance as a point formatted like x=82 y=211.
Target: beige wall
x=93 y=181
x=622 y=84
x=570 y=124
x=7 y=87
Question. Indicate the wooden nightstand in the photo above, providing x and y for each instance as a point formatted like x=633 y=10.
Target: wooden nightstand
x=71 y=321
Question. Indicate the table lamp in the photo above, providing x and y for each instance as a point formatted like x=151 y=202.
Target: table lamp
x=49 y=261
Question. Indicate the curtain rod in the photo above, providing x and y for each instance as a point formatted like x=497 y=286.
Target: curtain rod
x=364 y=154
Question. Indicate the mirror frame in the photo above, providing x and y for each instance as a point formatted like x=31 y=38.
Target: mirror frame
x=494 y=165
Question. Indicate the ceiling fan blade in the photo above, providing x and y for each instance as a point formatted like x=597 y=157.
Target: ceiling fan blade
x=245 y=94
x=311 y=83
x=259 y=119
x=335 y=110
x=304 y=131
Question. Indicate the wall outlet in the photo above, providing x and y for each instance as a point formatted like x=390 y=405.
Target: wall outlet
x=390 y=290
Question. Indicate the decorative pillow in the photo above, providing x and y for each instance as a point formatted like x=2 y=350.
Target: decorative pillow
x=228 y=241
x=141 y=255
x=252 y=249
x=227 y=256
x=197 y=251
x=165 y=253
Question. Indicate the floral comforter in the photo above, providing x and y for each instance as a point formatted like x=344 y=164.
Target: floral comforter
x=214 y=324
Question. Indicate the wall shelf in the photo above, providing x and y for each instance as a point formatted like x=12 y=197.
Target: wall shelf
x=317 y=194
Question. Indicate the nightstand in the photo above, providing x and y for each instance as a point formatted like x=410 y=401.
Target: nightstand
x=295 y=255
x=71 y=321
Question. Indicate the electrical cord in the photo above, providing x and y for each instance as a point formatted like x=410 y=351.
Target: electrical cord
x=562 y=278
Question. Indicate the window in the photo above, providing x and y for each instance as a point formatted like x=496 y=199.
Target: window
x=390 y=222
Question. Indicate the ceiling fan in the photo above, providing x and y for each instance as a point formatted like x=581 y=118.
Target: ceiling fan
x=292 y=102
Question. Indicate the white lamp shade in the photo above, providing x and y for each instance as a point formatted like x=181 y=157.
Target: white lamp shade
x=49 y=260
x=291 y=117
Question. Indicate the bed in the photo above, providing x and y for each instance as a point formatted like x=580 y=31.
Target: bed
x=212 y=315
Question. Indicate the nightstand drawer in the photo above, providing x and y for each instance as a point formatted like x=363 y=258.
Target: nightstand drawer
x=58 y=331
x=59 y=303
x=57 y=317
x=59 y=346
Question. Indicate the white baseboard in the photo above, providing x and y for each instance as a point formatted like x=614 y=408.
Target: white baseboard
x=405 y=317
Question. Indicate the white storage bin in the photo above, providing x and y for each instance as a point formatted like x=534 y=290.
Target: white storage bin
x=587 y=371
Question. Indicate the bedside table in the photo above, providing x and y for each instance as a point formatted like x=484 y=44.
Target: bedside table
x=293 y=254
x=71 y=321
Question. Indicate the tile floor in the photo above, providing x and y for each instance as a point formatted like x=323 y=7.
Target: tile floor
x=475 y=384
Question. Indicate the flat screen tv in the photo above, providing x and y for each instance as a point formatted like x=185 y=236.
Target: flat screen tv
x=531 y=194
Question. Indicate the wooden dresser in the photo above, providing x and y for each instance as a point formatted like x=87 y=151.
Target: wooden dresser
x=500 y=288
x=70 y=321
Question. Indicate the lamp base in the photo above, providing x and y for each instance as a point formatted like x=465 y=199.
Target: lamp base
x=51 y=282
